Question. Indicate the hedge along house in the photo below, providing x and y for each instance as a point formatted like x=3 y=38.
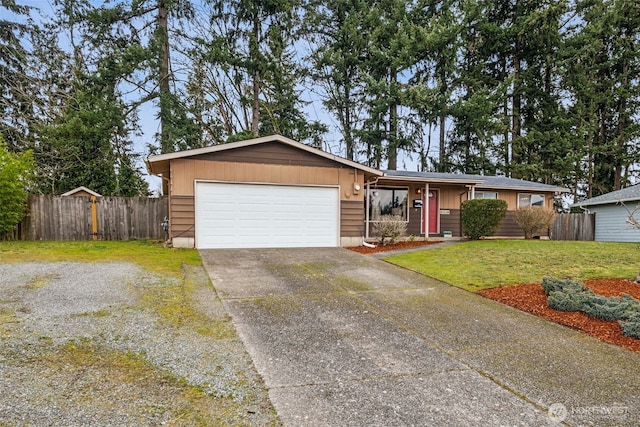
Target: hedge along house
x=276 y=192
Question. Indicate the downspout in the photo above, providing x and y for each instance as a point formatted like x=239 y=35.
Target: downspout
x=472 y=189
x=169 y=230
x=460 y=205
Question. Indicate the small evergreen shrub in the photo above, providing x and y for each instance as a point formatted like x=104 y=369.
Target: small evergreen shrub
x=569 y=295
x=631 y=327
x=534 y=219
x=481 y=217
x=388 y=228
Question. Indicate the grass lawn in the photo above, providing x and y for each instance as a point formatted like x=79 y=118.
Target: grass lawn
x=484 y=264
x=149 y=255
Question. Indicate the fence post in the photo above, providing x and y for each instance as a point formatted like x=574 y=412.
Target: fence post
x=94 y=218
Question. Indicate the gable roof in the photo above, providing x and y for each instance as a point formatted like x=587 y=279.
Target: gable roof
x=81 y=189
x=159 y=164
x=482 y=181
x=629 y=194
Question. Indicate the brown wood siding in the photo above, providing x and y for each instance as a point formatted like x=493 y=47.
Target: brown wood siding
x=413 y=228
x=183 y=217
x=269 y=153
x=352 y=219
x=450 y=196
x=508 y=227
x=185 y=171
x=451 y=222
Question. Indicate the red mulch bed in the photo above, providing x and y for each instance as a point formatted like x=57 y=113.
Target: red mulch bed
x=392 y=247
x=531 y=298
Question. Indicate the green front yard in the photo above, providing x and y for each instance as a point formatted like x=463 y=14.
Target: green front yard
x=484 y=264
x=148 y=255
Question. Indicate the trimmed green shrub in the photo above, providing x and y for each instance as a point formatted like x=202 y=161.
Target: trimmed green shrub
x=569 y=295
x=481 y=217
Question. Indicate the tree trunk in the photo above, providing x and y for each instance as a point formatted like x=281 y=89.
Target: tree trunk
x=517 y=106
x=392 y=144
x=442 y=164
x=255 y=103
x=163 y=84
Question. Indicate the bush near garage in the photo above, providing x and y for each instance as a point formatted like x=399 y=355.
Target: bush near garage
x=388 y=228
x=569 y=295
x=481 y=217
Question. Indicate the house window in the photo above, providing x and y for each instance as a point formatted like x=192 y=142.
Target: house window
x=485 y=195
x=388 y=201
x=526 y=200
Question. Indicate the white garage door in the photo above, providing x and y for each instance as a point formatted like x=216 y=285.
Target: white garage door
x=265 y=216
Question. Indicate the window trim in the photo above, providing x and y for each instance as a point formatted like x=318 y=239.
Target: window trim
x=530 y=204
x=371 y=190
x=483 y=191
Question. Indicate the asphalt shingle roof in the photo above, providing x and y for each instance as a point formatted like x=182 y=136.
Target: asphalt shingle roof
x=628 y=194
x=482 y=181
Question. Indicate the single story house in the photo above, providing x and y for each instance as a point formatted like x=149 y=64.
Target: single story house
x=276 y=192
x=612 y=212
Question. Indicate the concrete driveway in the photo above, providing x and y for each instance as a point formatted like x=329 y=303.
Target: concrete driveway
x=343 y=339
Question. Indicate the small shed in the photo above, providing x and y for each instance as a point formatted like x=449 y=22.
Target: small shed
x=81 y=191
x=612 y=213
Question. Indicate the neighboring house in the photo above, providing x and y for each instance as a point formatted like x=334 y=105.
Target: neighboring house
x=612 y=211
x=276 y=192
x=81 y=191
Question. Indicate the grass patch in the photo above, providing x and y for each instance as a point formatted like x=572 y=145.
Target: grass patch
x=175 y=303
x=6 y=317
x=150 y=255
x=40 y=281
x=484 y=264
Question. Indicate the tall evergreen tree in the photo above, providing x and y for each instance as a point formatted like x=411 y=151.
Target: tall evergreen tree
x=337 y=30
x=602 y=58
x=16 y=107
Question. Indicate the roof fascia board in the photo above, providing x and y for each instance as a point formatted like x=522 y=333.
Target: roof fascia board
x=606 y=202
x=529 y=189
x=431 y=180
x=249 y=142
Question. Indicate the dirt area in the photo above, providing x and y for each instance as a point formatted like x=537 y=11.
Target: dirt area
x=531 y=298
x=112 y=344
x=392 y=247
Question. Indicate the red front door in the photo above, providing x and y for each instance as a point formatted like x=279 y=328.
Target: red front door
x=433 y=209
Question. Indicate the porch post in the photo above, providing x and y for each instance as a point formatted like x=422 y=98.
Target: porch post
x=426 y=212
x=366 y=210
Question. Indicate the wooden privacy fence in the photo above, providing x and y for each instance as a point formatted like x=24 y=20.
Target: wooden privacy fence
x=70 y=218
x=576 y=226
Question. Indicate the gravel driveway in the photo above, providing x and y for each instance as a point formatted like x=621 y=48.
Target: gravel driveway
x=111 y=344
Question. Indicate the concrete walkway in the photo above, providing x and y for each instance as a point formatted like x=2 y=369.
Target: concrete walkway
x=343 y=339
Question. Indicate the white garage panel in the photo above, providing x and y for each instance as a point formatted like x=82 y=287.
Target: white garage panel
x=265 y=216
